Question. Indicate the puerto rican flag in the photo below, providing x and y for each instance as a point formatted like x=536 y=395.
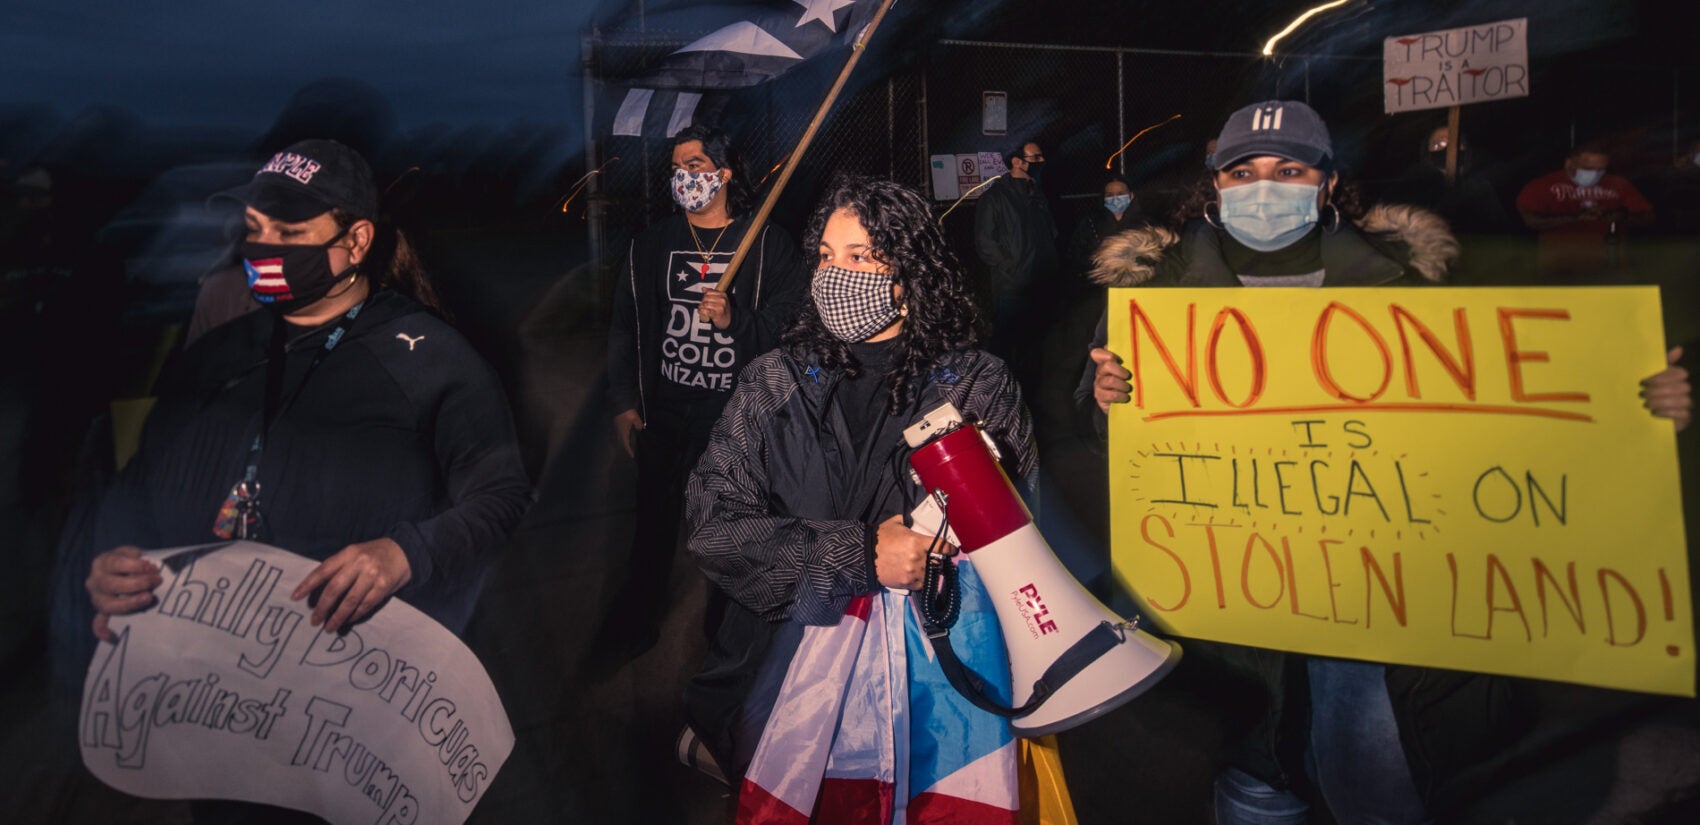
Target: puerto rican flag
x=265 y=280
x=770 y=39
x=867 y=731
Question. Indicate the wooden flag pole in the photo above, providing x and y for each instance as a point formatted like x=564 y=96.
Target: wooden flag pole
x=751 y=234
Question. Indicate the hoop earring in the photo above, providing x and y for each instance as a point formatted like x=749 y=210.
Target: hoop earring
x=1215 y=221
x=353 y=277
x=1331 y=221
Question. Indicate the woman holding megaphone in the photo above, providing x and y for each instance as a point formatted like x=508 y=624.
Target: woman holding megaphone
x=797 y=513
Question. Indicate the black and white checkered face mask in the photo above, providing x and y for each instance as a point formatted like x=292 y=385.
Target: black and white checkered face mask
x=853 y=305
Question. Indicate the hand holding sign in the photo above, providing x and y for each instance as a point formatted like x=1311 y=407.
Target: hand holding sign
x=1668 y=394
x=120 y=581
x=1109 y=379
x=354 y=581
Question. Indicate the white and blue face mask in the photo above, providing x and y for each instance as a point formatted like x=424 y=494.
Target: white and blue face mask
x=1118 y=203
x=1587 y=177
x=1269 y=215
x=693 y=191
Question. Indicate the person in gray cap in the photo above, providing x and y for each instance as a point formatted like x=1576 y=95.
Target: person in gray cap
x=1274 y=218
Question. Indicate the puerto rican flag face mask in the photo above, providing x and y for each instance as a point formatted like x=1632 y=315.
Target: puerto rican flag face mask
x=289 y=277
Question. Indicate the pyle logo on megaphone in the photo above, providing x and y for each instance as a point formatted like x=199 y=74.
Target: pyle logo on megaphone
x=1033 y=609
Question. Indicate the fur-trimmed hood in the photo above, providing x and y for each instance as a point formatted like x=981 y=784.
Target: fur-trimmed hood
x=1131 y=258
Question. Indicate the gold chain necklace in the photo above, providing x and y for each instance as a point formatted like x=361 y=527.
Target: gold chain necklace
x=709 y=255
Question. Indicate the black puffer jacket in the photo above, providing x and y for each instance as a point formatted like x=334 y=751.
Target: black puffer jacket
x=1448 y=720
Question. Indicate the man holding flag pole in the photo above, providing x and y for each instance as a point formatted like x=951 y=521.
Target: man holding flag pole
x=675 y=346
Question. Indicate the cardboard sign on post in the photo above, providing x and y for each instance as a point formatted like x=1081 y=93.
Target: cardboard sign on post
x=1456 y=67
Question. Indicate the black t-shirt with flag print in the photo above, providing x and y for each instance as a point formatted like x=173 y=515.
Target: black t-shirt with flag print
x=697 y=360
x=658 y=350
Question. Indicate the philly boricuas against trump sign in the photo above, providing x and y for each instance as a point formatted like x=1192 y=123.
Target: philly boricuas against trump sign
x=223 y=689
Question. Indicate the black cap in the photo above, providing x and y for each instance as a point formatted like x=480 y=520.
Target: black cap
x=308 y=179
x=1283 y=128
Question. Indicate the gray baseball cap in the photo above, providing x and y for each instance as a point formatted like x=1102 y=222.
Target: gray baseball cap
x=1283 y=128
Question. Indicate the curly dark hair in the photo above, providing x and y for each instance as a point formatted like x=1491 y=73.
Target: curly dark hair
x=900 y=226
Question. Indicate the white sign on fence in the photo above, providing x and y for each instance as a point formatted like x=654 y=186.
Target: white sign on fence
x=1475 y=64
x=223 y=689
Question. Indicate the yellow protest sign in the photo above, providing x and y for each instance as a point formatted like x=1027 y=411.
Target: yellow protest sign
x=1459 y=478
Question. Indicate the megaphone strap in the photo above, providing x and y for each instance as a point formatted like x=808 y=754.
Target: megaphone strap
x=1088 y=649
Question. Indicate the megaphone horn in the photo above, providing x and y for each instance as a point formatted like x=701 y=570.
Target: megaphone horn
x=1067 y=650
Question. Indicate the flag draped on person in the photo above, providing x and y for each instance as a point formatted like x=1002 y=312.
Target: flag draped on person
x=766 y=41
x=866 y=729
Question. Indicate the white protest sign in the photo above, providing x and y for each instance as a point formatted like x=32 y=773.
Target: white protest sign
x=1455 y=67
x=223 y=689
x=945 y=187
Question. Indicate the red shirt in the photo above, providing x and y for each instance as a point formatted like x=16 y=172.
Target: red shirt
x=1556 y=194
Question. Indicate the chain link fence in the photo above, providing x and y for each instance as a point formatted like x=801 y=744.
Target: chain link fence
x=875 y=129
x=1080 y=103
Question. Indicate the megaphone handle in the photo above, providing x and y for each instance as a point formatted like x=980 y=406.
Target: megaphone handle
x=941 y=596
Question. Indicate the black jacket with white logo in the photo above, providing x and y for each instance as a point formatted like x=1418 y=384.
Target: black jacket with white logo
x=401 y=432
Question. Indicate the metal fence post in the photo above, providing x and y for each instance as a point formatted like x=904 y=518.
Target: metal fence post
x=1121 y=114
x=891 y=127
x=594 y=215
x=921 y=149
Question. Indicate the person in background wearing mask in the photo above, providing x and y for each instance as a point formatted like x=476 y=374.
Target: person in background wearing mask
x=347 y=424
x=1582 y=215
x=675 y=347
x=1324 y=734
x=1120 y=212
x=797 y=509
x=1016 y=238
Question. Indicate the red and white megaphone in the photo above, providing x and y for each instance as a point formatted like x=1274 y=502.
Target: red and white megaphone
x=1061 y=640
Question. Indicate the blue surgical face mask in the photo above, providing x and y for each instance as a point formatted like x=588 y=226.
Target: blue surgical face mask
x=1268 y=215
x=1587 y=177
x=1117 y=203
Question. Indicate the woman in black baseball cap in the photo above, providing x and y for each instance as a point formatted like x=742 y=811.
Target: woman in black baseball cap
x=348 y=424
x=313 y=229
